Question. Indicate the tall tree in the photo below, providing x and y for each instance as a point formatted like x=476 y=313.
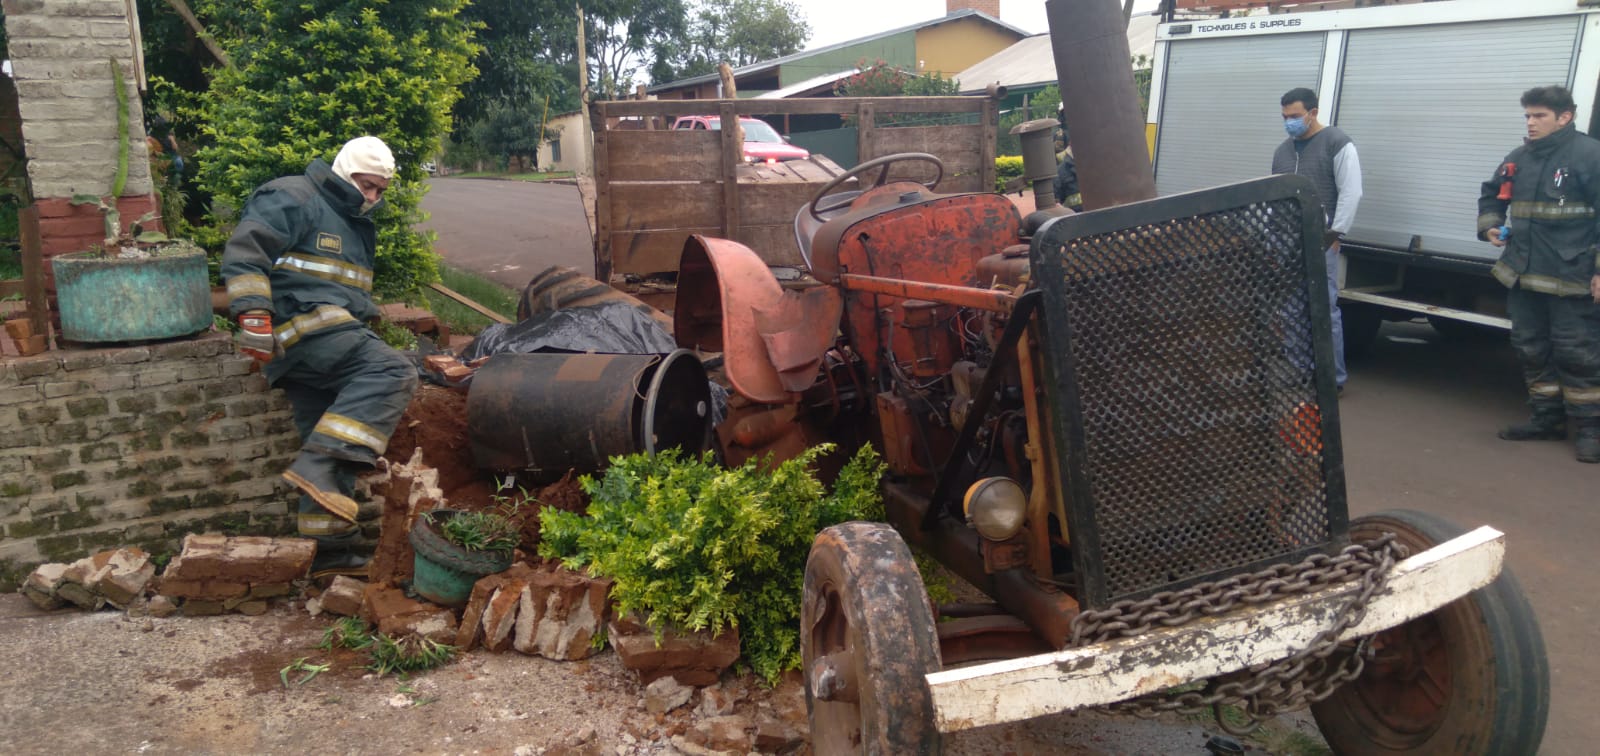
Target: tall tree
x=309 y=75
x=528 y=53
x=740 y=32
x=629 y=36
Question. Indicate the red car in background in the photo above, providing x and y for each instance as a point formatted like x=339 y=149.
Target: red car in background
x=762 y=143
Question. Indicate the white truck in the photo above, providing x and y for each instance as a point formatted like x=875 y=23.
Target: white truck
x=1428 y=92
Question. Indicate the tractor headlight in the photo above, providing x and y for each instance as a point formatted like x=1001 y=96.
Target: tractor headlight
x=997 y=507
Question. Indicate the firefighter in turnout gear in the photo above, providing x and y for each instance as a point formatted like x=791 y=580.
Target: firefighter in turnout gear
x=299 y=276
x=1540 y=206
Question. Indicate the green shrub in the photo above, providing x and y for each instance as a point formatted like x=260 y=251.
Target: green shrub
x=310 y=75
x=694 y=546
x=1006 y=168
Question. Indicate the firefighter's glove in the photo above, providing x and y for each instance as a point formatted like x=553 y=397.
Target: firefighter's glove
x=255 y=335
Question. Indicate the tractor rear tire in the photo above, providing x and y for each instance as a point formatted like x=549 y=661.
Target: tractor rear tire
x=1470 y=678
x=866 y=611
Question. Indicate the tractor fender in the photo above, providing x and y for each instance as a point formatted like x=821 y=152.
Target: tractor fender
x=772 y=339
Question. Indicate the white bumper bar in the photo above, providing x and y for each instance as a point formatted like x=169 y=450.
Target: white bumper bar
x=1034 y=686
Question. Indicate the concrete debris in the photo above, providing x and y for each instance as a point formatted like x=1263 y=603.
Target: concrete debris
x=161 y=607
x=343 y=597
x=666 y=694
x=694 y=658
x=725 y=733
x=118 y=577
x=716 y=701
x=773 y=736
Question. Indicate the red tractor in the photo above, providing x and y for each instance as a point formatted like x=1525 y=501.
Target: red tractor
x=1121 y=426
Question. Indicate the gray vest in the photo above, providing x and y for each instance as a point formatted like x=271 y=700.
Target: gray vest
x=1315 y=162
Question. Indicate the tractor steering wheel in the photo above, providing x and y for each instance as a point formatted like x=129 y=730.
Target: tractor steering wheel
x=883 y=177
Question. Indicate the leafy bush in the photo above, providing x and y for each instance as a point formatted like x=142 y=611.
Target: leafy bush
x=1006 y=168
x=310 y=75
x=694 y=546
x=480 y=531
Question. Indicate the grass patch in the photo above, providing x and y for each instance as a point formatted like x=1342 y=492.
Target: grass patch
x=459 y=317
x=536 y=176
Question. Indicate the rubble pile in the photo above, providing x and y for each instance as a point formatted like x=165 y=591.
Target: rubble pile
x=217 y=574
x=118 y=577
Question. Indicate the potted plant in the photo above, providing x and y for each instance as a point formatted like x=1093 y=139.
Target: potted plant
x=454 y=549
x=138 y=285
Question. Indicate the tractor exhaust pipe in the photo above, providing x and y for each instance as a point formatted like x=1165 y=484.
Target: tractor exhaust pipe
x=1039 y=159
x=1100 y=104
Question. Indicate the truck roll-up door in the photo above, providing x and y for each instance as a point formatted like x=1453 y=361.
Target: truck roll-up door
x=1220 y=118
x=1432 y=110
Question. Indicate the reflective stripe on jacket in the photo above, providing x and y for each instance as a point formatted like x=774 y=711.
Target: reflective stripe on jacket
x=1555 y=191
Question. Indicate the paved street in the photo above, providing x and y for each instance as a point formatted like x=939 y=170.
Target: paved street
x=1419 y=417
x=508 y=230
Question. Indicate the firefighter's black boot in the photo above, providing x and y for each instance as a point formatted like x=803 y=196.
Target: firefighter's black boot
x=334 y=557
x=1589 y=439
x=317 y=475
x=1543 y=425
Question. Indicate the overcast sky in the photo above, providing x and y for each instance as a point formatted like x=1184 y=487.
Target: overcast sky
x=840 y=20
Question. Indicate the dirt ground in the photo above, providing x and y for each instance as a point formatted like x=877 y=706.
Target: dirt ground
x=79 y=682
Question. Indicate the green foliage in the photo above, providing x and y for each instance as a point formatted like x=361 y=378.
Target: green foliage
x=347 y=632
x=1045 y=103
x=479 y=531
x=740 y=32
x=694 y=546
x=395 y=336
x=409 y=654
x=1006 y=168
x=883 y=80
x=459 y=317
x=528 y=52
x=511 y=131
x=310 y=75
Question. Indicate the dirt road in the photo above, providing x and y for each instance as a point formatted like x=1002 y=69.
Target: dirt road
x=1418 y=418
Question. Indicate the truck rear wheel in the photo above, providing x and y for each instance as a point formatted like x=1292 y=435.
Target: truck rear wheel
x=867 y=638
x=1470 y=678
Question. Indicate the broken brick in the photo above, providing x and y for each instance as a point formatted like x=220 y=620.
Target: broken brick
x=203 y=590
x=560 y=614
x=161 y=606
x=380 y=603
x=41 y=585
x=438 y=626
x=467 y=633
x=692 y=658
x=500 y=616
x=343 y=597
x=253 y=607
x=245 y=559
x=271 y=590
x=202 y=608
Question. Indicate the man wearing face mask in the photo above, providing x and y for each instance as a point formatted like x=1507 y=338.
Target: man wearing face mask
x=1540 y=206
x=299 y=276
x=1326 y=156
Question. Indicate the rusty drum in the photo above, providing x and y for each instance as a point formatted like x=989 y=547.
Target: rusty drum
x=546 y=414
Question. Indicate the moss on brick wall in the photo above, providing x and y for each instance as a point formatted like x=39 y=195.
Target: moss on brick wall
x=137 y=447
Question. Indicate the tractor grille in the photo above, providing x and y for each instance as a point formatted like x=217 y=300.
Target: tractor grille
x=1193 y=387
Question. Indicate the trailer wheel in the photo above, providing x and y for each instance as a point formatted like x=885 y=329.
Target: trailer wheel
x=867 y=638
x=1470 y=678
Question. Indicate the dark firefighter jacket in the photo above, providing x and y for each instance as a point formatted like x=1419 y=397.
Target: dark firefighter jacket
x=304 y=252
x=1552 y=214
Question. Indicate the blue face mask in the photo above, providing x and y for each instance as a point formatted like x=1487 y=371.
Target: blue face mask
x=1295 y=126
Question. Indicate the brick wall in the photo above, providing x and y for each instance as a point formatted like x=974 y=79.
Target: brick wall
x=137 y=446
x=60 y=56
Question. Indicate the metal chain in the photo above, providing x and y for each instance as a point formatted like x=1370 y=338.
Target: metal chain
x=1265 y=691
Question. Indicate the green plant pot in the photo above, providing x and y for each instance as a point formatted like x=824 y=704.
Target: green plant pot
x=106 y=299
x=443 y=572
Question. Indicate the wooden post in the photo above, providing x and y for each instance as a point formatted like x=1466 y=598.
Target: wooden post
x=602 y=197
x=730 y=91
x=33 y=270
x=864 y=144
x=583 y=103
x=732 y=156
x=990 y=139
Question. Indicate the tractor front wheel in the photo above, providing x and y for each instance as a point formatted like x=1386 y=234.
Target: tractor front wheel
x=867 y=638
x=1470 y=678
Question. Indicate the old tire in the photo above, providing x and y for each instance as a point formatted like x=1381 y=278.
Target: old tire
x=1470 y=678
x=865 y=610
